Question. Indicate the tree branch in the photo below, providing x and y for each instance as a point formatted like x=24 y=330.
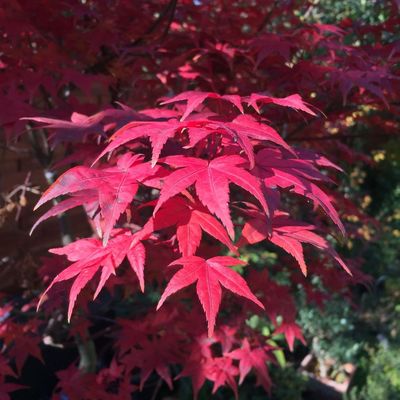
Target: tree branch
x=169 y=11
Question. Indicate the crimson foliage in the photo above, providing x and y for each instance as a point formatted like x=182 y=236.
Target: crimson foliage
x=234 y=111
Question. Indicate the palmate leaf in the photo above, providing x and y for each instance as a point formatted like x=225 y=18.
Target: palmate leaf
x=293 y=101
x=60 y=57
x=221 y=372
x=190 y=218
x=75 y=385
x=153 y=355
x=245 y=126
x=25 y=345
x=112 y=188
x=241 y=130
x=89 y=256
x=76 y=199
x=195 y=98
x=194 y=197
x=289 y=235
x=253 y=359
x=158 y=133
x=81 y=126
x=210 y=275
x=276 y=169
x=211 y=180
x=291 y=331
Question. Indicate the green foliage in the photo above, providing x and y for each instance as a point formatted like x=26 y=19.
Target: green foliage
x=333 y=11
x=382 y=376
x=383 y=184
x=288 y=383
x=332 y=332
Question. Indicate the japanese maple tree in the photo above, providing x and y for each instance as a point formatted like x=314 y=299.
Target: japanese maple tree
x=187 y=133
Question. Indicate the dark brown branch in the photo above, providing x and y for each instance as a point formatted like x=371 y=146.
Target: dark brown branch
x=266 y=18
x=170 y=19
x=169 y=11
x=110 y=55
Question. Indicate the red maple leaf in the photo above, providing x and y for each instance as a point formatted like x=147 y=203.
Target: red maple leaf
x=25 y=345
x=210 y=275
x=289 y=235
x=89 y=256
x=253 y=359
x=153 y=355
x=191 y=218
x=196 y=365
x=292 y=101
x=111 y=188
x=195 y=98
x=82 y=125
x=244 y=128
x=157 y=131
x=77 y=385
x=241 y=130
x=211 y=180
x=291 y=331
x=298 y=176
x=22 y=343
x=222 y=372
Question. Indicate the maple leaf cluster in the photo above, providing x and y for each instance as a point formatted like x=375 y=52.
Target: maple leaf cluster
x=180 y=179
x=224 y=149
x=188 y=166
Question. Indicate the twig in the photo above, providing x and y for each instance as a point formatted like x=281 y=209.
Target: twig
x=266 y=18
x=170 y=19
x=156 y=389
x=168 y=10
x=111 y=55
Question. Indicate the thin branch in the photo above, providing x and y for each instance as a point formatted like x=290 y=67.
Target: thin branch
x=267 y=17
x=110 y=55
x=156 y=389
x=169 y=10
x=170 y=19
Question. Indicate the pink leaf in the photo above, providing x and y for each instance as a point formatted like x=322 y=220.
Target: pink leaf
x=209 y=274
